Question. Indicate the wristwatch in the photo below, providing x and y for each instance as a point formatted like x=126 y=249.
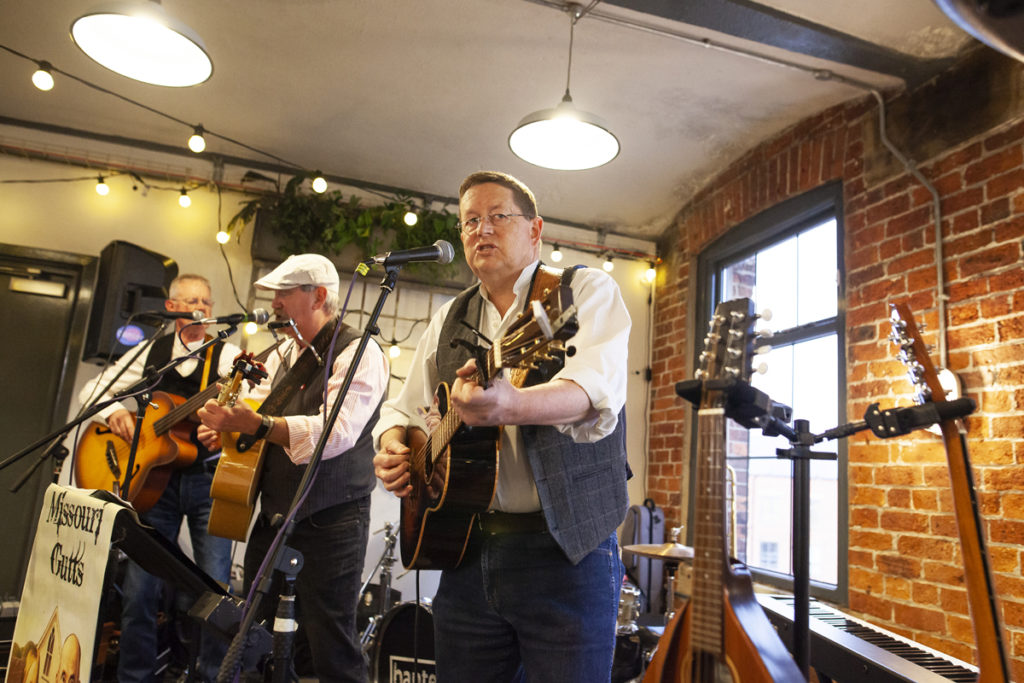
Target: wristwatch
x=265 y=426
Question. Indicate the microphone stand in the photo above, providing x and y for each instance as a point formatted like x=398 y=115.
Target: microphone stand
x=262 y=583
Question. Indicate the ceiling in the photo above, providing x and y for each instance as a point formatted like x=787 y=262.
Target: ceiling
x=416 y=94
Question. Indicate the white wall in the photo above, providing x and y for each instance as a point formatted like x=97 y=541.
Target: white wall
x=71 y=217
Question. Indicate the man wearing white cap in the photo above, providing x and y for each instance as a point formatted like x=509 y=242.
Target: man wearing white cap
x=331 y=528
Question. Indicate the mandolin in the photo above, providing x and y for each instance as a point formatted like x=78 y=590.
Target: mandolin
x=981 y=597
x=455 y=470
x=721 y=635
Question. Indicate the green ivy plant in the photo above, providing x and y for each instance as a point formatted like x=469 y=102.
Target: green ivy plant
x=327 y=223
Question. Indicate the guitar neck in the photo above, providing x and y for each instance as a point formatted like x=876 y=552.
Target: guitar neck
x=981 y=596
x=709 y=542
x=191 y=405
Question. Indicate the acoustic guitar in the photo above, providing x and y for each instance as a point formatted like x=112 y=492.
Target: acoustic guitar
x=989 y=638
x=455 y=469
x=721 y=634
x=236 y=482
x=101 y=458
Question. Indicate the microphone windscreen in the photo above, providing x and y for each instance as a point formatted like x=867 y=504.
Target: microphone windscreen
x=447 y=251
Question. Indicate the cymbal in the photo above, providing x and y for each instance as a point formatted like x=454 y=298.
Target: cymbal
x=661 y=551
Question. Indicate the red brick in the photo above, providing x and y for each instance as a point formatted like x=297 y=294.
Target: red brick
x=1000 y=162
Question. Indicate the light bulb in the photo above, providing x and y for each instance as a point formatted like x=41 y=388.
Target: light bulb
x=42 y=78
x=608 y=265
x=251 y=328
x=319 y=184
x=223 y=237
x=394 y=351
x=197 y=143
x=410 y=218
x=651 y=273
x=556 y=254
x=102 y=189
x=184 y=201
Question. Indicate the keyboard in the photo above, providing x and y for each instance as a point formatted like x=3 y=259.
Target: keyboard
x=849 y=650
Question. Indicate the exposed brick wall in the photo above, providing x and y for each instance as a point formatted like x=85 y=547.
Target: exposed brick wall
x=905 y=567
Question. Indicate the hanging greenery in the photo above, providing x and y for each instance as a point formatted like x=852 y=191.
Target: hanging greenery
x=327 y=223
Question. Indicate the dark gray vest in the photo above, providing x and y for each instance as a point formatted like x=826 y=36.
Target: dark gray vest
x=348 y=476
x=582 y=486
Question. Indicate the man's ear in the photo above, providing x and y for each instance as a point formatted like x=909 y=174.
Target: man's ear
x=168 y=304
x=321 y=297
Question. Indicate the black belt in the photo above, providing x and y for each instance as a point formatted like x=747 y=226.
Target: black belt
x=496 y=522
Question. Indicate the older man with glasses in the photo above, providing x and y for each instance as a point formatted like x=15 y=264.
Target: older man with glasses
x=183 y=493
x=534 y=596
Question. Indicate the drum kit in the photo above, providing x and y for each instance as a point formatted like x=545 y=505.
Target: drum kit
x=636 y=635
x=398 y=641
x=398 y=644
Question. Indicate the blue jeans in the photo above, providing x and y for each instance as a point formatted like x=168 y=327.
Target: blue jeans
x=187 y=496
x=517 y=609
x=333 y=546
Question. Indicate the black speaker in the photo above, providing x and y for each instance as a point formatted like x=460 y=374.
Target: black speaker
x=129 y=279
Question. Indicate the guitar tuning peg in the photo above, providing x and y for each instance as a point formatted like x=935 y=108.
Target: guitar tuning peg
x=762 y=349
x=761 y=369
x=764 y=333
x=765 y=315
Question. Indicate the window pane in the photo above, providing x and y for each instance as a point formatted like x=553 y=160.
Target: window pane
x=802 y=376
x=816 y=265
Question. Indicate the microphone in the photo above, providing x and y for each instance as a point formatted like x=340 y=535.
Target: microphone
x=439 y=252
x=257 y=315
x=171 y=315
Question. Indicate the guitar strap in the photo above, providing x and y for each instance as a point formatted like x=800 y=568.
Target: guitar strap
x=206 y=366
x=545 y=278
x=297 y=376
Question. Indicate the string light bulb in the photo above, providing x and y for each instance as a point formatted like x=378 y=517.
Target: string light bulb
x=102 y=189
x=651 y=272
x=556 y=254
x=319 y=183
x=251 y=328
x=43 y=77
x=394 y=351
x=411 y=218
x=184 y=201
x=197 y=143
x=608 y=265
x=223 y=237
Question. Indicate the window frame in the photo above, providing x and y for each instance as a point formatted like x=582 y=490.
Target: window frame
x=771 y=226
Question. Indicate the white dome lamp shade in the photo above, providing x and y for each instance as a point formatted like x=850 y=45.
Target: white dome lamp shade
x=141 y=41
x=564 y=138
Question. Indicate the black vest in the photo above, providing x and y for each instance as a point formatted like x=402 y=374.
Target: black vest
x=343 y=478
x=188 y=386
x=582 y=486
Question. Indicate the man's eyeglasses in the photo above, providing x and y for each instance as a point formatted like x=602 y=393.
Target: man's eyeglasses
x=497 y=220
x=195 y=302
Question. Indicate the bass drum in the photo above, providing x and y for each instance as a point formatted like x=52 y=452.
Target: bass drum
x=404 y=648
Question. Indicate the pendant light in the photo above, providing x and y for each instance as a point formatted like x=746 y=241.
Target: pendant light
x=140 y=40
x=564 y=138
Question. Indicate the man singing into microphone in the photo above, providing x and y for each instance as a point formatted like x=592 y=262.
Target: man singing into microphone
x=187 y=493
x=332 y=522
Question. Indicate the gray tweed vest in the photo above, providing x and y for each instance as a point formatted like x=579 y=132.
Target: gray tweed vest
x=346 y=477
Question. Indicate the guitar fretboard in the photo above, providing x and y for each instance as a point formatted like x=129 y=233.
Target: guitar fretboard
x=709 y=533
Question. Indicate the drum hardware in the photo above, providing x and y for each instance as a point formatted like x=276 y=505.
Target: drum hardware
x=387 y=558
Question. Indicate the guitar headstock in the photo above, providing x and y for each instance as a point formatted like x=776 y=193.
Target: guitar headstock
x=914 y=354
x=245 y=367
x=729 y=345
x=538 y=333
